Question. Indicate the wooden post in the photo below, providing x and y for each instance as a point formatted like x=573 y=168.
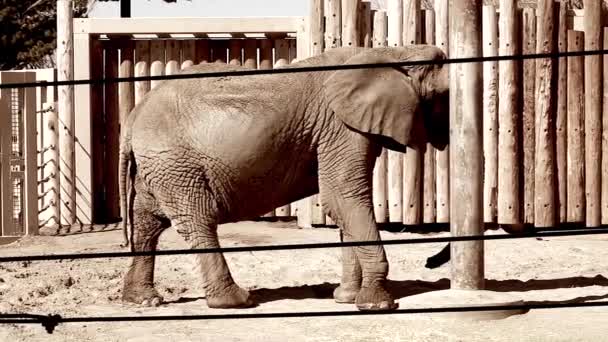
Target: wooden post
x=65 y=108
x=157 y=61
x=234 y=51
x=126 y=90
x=562 y=111
x=379 y=184
x=173 y=48
x=333 y=23
x=317 y=22
x=412 y=160
x=142 y=68
x=202 y=51
x=395 y=159
x=528 y=120
x=97 y=152
x=466 y=142
x=508 y=135
x=350 y=30
x=266 y=46
x=188 y=53
x=576 y=112
x=250 y=51
x=490 y=114
x=281 y=53
x=442 y=157
x=429 y=190
x=365 y=24
x=53 y=184
x=112 y=136
x=545 y=111
x=219 y=51
x=593 y=112
x=605 y=136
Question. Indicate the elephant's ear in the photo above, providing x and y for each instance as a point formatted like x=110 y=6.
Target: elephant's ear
x=381 y=101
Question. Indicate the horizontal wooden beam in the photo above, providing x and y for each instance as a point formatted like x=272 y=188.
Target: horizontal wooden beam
x=125 y=26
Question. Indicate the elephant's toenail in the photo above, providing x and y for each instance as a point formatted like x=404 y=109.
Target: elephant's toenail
x=146 y=302
x=156 y=301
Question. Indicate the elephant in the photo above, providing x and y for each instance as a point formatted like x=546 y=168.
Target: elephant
x=200 y=152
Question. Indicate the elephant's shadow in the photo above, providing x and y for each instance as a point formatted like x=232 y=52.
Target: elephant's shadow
x=406 y=288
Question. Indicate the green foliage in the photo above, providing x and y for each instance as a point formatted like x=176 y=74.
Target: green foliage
x=28 y=31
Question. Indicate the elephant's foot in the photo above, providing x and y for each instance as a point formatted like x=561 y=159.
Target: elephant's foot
x=232 y=298
x=347 y=292
x=145 y=296
x=375 y=297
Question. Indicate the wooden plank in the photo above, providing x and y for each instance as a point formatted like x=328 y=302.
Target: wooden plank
x=112 y=136
x=126 y=90
x=6 y=223
x=52 y=125
x=490 y=114
x=412 y=29
x=172 y=56
x=395 y=159
x=219 y=51
x=605 y=135
x=142 y=68
x=302 y=45
x=66 y=64
x=188 y=53
x=317 y=24
x=576 y=124
x=562 y=112
x=98 y=134
x=82 y=133
x=333 y=24
x=545 y=112
x=121 y=26
x=466 y=166
x=529 y=97
x=442 y=157
x=30 y=199
x=365 y=23
x=593 y=113
x=157 y=61
x=250 y=53
x=429 y=188
x=379 y=182
x=234 y=52
x=508 y=134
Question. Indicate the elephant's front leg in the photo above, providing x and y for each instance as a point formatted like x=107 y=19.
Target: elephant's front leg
x=350 y=284
x=345 y=176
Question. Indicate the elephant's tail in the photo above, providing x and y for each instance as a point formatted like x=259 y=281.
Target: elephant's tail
x=126 y=162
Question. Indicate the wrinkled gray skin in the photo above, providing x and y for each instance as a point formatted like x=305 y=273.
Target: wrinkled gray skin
x=202 y=152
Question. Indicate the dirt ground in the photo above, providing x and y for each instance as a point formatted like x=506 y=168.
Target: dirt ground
x=565 y=269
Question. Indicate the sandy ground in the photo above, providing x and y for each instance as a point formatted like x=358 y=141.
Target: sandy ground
x=565 y=269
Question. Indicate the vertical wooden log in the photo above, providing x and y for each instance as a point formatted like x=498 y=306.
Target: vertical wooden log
x=365 y=23
x=281 y=53
x=65 y=107
x=126 y=90
x=529 y=97
x=490 y=114
x=379 y=185
x=395 y=159
x=562 y=111
x=593 y=112
x=317 y=23
x=219 y=51
x=508 y=135
x=173 y=49
x=429 y=189
x=412 y=159
x=442 y=157
x=142 y=68
x=576 y=140
x=202 y=51
x=412 y=28
x=250 y=53
x=112 y=135
x=333 y=24
x=350 y=29
x=466 y=141
x=605 y=135
x=157 y=61
x=188 y=53
x=53 y=185
x=545 y=111
x=234 y=51
x=98 y=132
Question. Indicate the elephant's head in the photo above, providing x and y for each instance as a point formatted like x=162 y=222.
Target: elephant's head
x=397 y=106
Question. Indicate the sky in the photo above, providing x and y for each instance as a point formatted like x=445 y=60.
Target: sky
x=210 y=8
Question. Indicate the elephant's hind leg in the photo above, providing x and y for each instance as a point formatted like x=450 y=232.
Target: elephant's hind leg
x=350 y=284
x=148 y=224
x=195 y=219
